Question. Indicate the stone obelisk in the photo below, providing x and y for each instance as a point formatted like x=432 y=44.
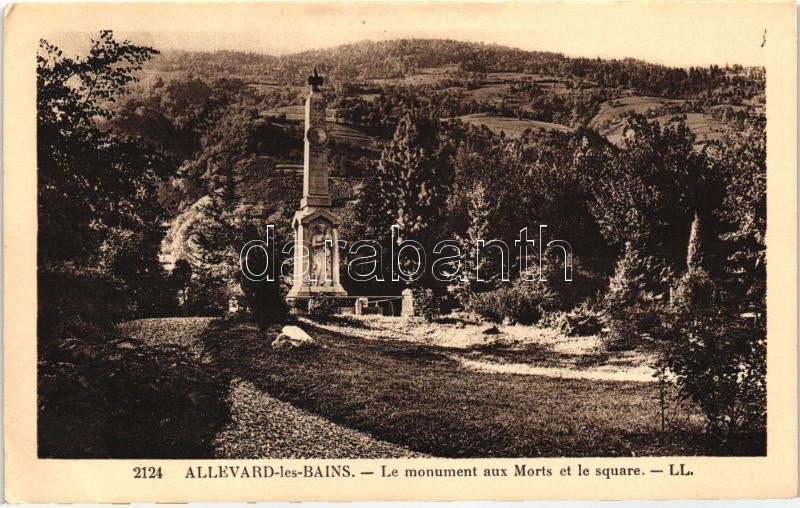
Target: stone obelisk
x=316 y=256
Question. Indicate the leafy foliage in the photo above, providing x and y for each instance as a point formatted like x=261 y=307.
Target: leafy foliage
x=581 y=321
x=413 y=178
x=630 y=303
x=647 y=192
x=523 y=302
x=485 y=267
x=103 y=396
x=719 y=360
x=715 y=327
x=741 y=159
x=89 y=179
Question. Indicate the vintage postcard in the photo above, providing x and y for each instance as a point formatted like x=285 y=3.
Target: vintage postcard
x=400 y=251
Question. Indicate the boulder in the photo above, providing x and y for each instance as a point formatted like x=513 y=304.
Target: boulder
x=293 y=337
x=492 y=330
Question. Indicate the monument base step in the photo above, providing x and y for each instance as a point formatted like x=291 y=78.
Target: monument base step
x=314 y=291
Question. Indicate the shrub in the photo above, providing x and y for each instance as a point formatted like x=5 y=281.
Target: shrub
x=486 y=306
x=100 y=396
x=123 y=399
x=208 y=296
x=240 y=316
x=582 y=321
x=266 y=302
x=585 y=283
x=695 y=289
x=523 y=302
x=719 y=361
x=322 y=308
x=426 y=303
x=718 y=357
x=628 y=326
x=630 y=303
x=629 y=283
x=72 y=302
x=165 y=403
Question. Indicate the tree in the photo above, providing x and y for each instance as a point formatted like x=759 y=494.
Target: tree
x=90 y=179
x=411 y=185
x=130 y=258
x=478 y=214
x=409 y=188
x=413 y=177
x=628 y=285
x=648 y=192
x=717 y=356
x=629 y=302
x=715 y=326
x=182 y=277
x=740 y=157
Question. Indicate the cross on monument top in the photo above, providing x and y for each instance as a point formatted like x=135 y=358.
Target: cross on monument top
x=315 y=80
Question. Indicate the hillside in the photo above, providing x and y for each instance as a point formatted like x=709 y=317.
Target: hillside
x=370 y=84
x=610 y=120
x=247 y=107
x=404 y=58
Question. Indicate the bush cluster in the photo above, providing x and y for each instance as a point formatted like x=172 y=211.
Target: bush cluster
x=717 y=355
x=522 y=302
x=105 y=396
x=322 y=308
x=428 y=304
x=628 y=327
x=124 y=399
x=719 y=361
x=631 y=304
x=581 y=321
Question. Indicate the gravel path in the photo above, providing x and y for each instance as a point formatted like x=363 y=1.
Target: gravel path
x=265 y=427
x=262 y=426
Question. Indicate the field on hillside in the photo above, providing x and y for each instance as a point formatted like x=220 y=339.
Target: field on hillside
x=512 y=127
x=297 y=113
x=495 y=85
x=425 y=76
x=704 y=126
x=490 y=93
x=610 y=122
x=612 y=110
x=491 y=90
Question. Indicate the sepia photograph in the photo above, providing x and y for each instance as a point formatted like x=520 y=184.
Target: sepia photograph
x=395 y=232
x=219 y=276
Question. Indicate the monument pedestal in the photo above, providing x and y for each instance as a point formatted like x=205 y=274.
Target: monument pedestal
x=316 y=255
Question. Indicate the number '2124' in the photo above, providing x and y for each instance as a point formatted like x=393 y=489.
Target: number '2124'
x=147 y=472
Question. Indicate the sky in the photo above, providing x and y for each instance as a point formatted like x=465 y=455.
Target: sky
x=671 y=34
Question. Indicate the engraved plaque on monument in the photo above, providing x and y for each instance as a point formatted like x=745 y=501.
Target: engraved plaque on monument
x=316 y=257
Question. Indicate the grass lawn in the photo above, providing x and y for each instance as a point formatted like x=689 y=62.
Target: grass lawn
x=417 y=396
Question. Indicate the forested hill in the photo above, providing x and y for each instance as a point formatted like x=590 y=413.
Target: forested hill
x=394 y=59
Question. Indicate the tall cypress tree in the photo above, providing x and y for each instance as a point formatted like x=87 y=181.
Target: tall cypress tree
x=410 y=189
x=413 y=178
x=478 y=229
